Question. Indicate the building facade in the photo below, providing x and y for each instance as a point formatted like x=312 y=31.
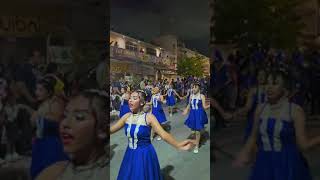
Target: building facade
x=132 y=57
x=178 y=48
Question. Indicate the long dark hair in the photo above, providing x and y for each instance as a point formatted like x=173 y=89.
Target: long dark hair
x=274 y=73
x=98 y=104
x=48 y=83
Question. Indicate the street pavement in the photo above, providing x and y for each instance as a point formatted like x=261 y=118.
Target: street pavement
x=175 y=165
x=228 y=142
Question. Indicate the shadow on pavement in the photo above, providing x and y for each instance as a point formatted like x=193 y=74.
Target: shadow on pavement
x=205 y=136
x=112 y=152
x=167 y=126
x=177 y=110
x=166 y=171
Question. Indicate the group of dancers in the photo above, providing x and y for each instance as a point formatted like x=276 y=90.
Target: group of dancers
x=275 y=136
x=140 y=122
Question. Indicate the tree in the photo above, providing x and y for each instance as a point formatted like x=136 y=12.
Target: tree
x=191 y=66
x=271 y=22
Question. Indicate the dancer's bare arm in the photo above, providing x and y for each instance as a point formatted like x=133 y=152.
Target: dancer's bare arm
x=120 y=123
x=303 y=141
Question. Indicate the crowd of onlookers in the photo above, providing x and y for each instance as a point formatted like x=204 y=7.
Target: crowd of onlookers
x=19 y=98
x=234 y=74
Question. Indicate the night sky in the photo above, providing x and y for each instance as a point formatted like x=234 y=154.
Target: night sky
x=142 y=19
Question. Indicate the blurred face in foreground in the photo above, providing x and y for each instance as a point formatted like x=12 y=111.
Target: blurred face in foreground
x=79 y=130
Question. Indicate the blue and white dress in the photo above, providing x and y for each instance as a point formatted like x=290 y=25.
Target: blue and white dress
x=140 y=161
x=124 y=108
x=171 y=101
x=259 y=97
x=47 y=148
x=157 y=109
x=197 y=116
x=278 y=156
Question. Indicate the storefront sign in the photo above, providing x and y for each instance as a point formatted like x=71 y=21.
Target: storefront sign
x=119 y=67
x=17 y=25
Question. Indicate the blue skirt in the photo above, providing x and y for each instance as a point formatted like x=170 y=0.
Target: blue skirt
x=289 y=164
x=171 y=101
x=140 y=164
x=159 y=114
x=124 y=109
x=196 y=119
x=46 y=152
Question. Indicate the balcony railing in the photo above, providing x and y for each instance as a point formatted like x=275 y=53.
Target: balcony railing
x=125 y=54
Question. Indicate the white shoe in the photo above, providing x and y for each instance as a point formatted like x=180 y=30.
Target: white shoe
x=159 y=138
x=196 y=150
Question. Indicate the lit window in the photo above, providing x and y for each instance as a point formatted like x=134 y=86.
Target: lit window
x=131 y=46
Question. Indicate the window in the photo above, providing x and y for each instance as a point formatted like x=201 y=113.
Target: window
x=131 y=46
x=151 y=51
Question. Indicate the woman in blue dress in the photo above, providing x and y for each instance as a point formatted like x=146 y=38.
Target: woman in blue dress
x=171 y=99
x=156 y=103
x=255 y=97
x=189 y=92
x=197 y=115
x=47 y=148
x=124 y=108
x=140 y=161
x=280 y=137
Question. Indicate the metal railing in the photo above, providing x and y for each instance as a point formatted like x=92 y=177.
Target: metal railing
x=120 y=53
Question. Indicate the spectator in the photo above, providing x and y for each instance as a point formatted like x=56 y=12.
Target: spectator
x=26 y=78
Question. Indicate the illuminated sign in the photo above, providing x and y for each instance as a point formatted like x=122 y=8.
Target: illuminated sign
x=18 y=25
x=119 y=67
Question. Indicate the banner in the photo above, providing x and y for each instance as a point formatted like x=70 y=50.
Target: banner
x=19 y=26
x=60 y=54
x=119 y=67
